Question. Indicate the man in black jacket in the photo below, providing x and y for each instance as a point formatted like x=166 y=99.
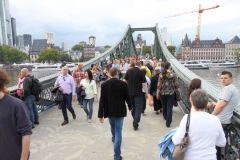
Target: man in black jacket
x=137 y=84
x=114 y=94
x=29 y=98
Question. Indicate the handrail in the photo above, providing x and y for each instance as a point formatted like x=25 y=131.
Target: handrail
x=186 y=75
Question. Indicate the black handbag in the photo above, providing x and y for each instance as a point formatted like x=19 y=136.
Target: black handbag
x=83 y=93
x=54 y=90
x=180 y=149
x=177 y=95
x=59 y=97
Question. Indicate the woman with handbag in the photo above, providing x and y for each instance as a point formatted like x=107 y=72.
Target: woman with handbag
x=204 y=132
x=166 y=87
x=89 y=85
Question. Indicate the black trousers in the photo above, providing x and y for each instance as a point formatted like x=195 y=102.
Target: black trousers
x=219 y=149
x=67 y=104
x=144 y=102
x=137 y=109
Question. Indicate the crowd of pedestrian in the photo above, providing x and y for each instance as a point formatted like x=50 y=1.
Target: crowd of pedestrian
x=135 y=81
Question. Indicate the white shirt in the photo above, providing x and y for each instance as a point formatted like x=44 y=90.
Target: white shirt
x=205 y=133
x=90 y=88
x=231 y=96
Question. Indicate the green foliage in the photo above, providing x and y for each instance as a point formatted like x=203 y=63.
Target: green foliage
x=146 y=50
x=65 y=57
x=237 y=54
x=11 y=55
x=107 y=46
x=49 y=55
x=172 y=49
x=77 y=47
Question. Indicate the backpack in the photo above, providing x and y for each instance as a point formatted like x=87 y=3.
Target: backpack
x=36 y=88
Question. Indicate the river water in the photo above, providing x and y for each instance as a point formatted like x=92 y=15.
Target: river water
x=210 y=75
x=13 y=74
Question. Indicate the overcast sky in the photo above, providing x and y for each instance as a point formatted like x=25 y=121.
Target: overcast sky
x=72 y=21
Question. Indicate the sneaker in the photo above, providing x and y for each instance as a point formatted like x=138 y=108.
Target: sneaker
x=89 y=121
x=144 y=114
x=64 y=123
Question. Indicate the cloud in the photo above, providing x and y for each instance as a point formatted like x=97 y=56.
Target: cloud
x=72 y=21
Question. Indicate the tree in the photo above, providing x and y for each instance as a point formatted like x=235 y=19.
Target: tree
x=11 y=55
x=65 y=57
x=77 y=47
x=237 y=54
x=107 y=46
x=146 y=50
x=49 y=55
x=172 y=49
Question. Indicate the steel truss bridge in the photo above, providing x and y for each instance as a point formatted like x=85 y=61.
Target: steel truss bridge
x=126 y=47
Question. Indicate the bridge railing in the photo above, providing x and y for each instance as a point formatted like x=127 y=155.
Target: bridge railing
x=47 y=98
x=184 y=78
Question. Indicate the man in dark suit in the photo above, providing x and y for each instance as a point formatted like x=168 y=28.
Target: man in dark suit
x=136 y=85
x=114 y=94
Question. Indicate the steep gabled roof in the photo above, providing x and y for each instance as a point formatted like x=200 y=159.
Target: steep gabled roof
x=235 y=40
x=209 y=43
x=186 y=41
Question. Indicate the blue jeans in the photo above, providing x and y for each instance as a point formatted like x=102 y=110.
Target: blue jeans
x=137 y=103
x=167 y=104
x=67 y=104
x=89 y=111
x=116 y=124
x=30 y=102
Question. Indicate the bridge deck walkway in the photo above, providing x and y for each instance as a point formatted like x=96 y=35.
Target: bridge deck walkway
x=80 y=140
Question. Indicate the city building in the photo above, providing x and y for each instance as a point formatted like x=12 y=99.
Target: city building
x=89 y=49
x=27 y=39
x=20 y=42
x=213 y=50
x=139 y=43
x=50 y=41
x=75 y=55
x=24 y=43
x=186 y=48
x=38 y=46
x=5 y=23
x=230 y=48
x=14 y=31
x=166 y=37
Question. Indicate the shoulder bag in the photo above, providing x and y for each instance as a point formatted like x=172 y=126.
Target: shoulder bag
x=180 y=149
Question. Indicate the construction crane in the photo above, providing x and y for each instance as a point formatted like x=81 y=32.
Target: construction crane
x=200 y=11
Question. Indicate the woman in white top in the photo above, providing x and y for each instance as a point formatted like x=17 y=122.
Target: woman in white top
x=91 y=91
x=205 y=131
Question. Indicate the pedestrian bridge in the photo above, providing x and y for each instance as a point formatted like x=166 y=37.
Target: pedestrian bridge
x=80 y=140
x=92 y=141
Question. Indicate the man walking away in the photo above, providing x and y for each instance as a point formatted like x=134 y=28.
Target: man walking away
x=136 y=82
x=114 y=94
x=228 y=99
